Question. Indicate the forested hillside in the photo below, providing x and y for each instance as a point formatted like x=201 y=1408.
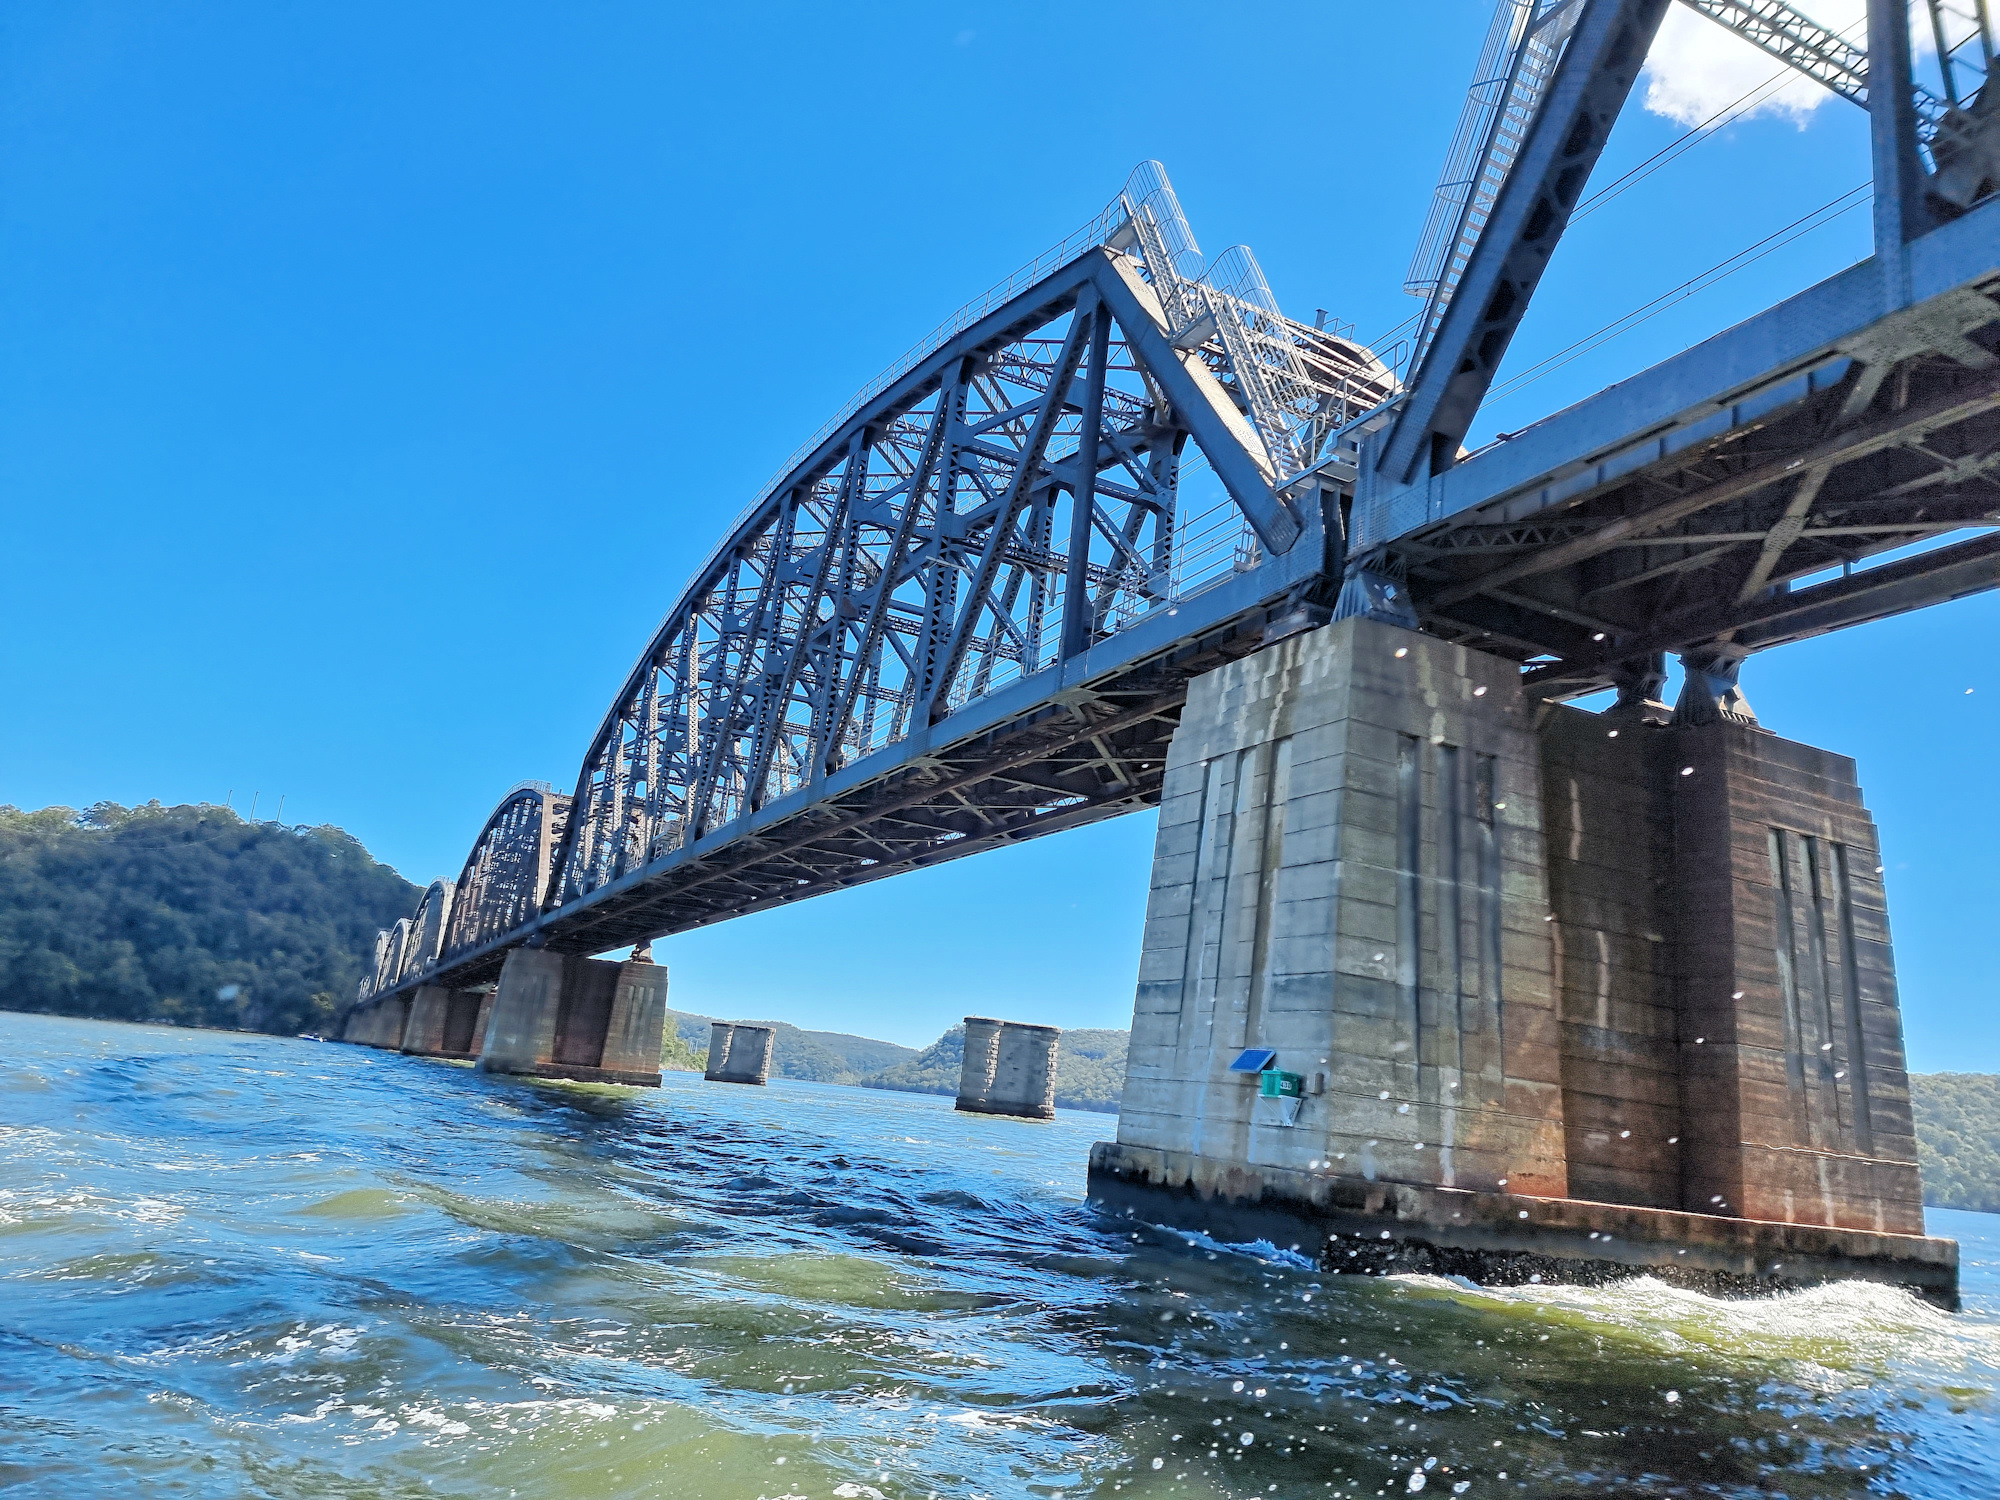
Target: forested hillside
x=1958 y=1138
x=186 y=914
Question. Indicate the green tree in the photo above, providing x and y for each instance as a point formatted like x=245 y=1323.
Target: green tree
x=1958 y=1138
x=187 y=914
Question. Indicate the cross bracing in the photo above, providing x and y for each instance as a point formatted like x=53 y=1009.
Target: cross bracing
x=966 y=614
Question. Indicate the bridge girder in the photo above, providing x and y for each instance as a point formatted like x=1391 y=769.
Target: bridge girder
x=1012 y=502
x=967 y=616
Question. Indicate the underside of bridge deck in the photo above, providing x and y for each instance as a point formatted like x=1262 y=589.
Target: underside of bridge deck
x=1859 y=482
x=1092 y=755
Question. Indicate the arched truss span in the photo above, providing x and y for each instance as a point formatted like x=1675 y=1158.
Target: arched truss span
x=507 y=871
x=498 y=890
x=1129 y=432
x=427 y=928
x=967 y=613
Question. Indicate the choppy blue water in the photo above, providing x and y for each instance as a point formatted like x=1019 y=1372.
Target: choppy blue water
x=239 y=1266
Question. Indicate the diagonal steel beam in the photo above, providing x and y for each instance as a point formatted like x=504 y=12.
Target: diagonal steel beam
x=1200 y=404
x=949 y=396
x=771 y=720
x=1933 y=577
x=1088 y=310
x=1592 y=81
x=1784 y=531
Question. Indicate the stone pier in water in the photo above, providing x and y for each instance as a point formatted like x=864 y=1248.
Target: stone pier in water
x=739 y=1053
x=559 y=1016
x=446 y=1023
x=1437 y=978
x=1009 y=1069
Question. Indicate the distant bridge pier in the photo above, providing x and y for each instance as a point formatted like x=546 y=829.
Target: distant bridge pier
x=1009 y=1069
x=444 y=1022
x=380 y=1024
x=560 y=1016
x=739 y=1053
x=1438 y=978
x=479 y=1023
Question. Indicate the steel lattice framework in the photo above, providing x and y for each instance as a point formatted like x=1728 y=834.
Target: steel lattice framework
x=965 y=614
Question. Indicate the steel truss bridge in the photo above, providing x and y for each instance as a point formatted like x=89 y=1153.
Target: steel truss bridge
x=966 y=612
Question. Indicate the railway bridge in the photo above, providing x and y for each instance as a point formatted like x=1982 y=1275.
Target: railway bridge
x=1439 y=969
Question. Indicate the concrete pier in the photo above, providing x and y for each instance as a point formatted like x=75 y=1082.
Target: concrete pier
x=478 y=1042
x=443 y=1021
x=559 y=1016
x=1009 y=1069
x=379 y=1025
x=739 y=1053
x=1510 y=990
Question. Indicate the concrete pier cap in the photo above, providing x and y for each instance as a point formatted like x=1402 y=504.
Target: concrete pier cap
x=1009 y=1068
x=739 y=1052
x=1437 y=978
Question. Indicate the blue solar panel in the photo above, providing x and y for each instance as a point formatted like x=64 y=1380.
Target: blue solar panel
x=1253 y=1060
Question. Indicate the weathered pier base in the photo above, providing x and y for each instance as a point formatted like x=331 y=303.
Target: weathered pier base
x=739 y=1053
x=1514 y=990
x=1009 y=1069
x=379 y=1025
x=443 y=1021
x=559 y=1016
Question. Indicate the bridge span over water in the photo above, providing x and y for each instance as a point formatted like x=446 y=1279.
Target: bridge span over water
x=972 y=608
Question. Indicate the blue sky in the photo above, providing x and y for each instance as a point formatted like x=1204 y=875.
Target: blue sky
x=375 y=375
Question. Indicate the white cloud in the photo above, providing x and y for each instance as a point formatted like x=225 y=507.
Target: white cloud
x=1698 y=68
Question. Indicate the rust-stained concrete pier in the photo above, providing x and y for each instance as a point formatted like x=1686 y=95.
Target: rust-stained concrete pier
x=1437 y=977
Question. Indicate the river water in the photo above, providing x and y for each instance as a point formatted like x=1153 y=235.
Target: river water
x=245 y=1266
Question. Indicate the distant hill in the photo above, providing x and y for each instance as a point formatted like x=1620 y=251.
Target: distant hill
x=190 y=915
x=1958 y=1138
x=816 y=1056
x=1090 y=1069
